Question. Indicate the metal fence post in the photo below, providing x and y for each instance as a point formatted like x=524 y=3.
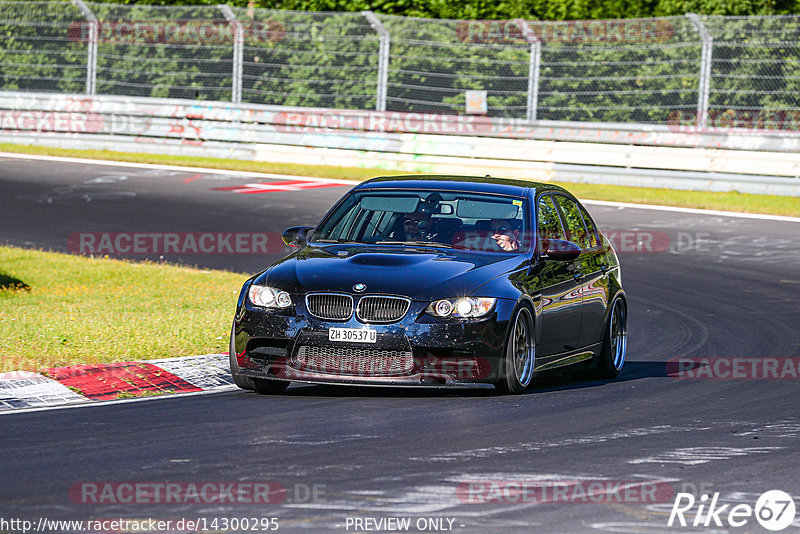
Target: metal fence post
x=705 y=69
x=534 y=64
x=238 y=52
x=91 y=59
x=383 y=59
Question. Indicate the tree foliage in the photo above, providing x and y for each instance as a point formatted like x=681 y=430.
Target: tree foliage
x=528 y=9
x=602 y=70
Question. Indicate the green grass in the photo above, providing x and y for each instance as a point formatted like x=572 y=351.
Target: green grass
x=741 y=202
x=65 y=310
x=320 y=171
x=766 y=204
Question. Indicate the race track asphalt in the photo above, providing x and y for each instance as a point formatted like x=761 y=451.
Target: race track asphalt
x=722 y=287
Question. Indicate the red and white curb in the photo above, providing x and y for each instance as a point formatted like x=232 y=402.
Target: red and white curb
x=82 y=384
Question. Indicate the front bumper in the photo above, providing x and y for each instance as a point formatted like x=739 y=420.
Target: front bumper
x=417 y=351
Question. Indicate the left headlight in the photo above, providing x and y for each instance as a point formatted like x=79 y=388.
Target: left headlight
x=462 y=308
x=268 y=297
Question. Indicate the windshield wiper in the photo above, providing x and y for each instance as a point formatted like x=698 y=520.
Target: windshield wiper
x=339 y=241
x=416 y=243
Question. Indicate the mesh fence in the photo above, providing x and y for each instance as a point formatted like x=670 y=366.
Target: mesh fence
x=309 y=59
x=160 y=51
x=755 y=71
x=432 y=63
x=36 y=52
x=618 y=71
x=744 y=70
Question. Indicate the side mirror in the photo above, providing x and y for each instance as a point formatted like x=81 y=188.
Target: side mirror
x=296 y=236
x=560 y=250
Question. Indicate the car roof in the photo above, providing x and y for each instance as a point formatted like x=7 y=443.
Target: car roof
x=477 y=184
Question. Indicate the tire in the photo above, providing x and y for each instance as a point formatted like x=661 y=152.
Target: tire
x=243 y=382
x=270 y=387
x=516 y=370
x=615 y=342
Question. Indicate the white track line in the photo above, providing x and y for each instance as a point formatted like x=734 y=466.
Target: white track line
x=717 y=213
x=176 y=168
x=657 y=207
x=94 y=404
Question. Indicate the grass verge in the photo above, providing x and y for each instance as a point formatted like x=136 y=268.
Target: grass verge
x=320 y=171
x=746 y=203
x=57 y=309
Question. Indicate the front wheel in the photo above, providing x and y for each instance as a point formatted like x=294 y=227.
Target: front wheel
x=516 y=370
x=240 y=380
x=615 y=342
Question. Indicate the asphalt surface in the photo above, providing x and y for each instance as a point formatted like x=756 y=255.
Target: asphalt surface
x=722 y=287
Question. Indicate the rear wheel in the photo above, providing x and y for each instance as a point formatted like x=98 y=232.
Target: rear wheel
x=615 y=342
x=516 y=371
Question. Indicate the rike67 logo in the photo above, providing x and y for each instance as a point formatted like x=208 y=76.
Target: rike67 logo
x=774 y=510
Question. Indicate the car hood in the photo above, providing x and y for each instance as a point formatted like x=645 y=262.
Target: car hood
x=419 y=273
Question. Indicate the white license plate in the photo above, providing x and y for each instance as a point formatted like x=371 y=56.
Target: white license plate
x=354 y=335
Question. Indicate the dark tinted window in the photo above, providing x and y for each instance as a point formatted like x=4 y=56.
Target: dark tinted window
x=572 y=216
x=549 y=222
x=594 y=234
x=472 y=221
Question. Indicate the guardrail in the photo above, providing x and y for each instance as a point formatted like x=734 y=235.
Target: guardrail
x=626 y=154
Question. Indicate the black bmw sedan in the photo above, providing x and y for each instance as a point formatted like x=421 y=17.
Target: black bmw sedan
x=435 y=281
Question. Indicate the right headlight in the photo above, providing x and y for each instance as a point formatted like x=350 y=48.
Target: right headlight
x=268 y=297
x=462 y=308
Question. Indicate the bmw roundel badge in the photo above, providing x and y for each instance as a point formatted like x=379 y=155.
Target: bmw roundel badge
x=359 y=287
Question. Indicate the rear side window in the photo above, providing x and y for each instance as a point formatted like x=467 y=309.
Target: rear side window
x=549 y=225
x=572 y=216
x=591 y=228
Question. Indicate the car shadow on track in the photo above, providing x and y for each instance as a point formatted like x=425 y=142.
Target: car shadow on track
x=633 y=371
x=375 y=391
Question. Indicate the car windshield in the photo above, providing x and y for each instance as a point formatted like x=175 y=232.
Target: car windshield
x=447 y=219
